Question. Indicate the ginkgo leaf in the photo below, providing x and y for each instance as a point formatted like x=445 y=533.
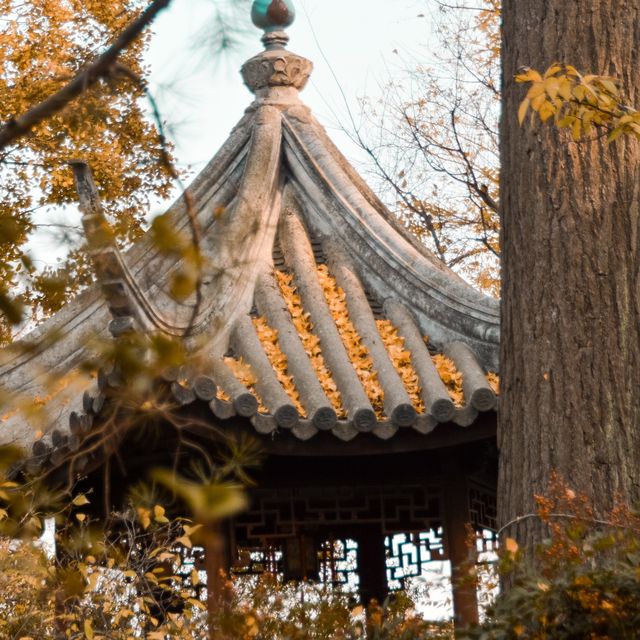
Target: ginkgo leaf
x=269 y=339
x=357 y=352
x=309 y=340
x=401 y=360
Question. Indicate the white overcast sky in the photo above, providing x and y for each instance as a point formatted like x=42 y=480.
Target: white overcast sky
x=350 y=42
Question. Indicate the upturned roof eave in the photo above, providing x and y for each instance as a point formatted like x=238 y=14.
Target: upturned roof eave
x=331 y=193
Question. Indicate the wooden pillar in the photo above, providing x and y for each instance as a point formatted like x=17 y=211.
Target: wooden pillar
x=465 y=597
x=215 y=551
x=372 y=566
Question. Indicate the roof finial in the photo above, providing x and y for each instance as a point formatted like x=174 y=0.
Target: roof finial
x=273 y=16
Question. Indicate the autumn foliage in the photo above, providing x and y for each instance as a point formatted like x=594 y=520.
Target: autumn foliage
x=582 y=582
x=582 y=103
x=356 y=350
x=43 y=44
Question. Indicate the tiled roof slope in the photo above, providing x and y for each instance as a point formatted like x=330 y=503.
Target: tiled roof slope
x=315 y=303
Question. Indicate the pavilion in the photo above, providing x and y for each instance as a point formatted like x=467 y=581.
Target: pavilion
x=364 y=366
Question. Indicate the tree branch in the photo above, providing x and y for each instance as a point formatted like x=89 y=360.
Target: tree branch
x=99 y=68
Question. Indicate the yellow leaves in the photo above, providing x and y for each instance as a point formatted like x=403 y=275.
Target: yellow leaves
x=208 y=501
x=552 y=87
x=185 y=541
x=42 y=45
x=494 y=381
x=451 y=377
x=269 y=339
x=93 y=581
x=243 y=371
x=190 y=530
x=88 y=629
x=310 y=341
x=546 y=111
x=577 y=102
x=4 y=495
x=401 y=359
x=144 y=517
x=159 y=515
x=528 y=75
x=358 y=353
x=80 y=500
x=147 y=516
x=522 y=110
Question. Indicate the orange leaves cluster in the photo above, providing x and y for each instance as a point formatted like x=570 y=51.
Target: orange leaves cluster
x=310 y=341
x=358 y=353
x=401 y=359
x=451 y=377
x=269 y=339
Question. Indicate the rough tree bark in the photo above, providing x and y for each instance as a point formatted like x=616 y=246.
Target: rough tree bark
x=570 y=354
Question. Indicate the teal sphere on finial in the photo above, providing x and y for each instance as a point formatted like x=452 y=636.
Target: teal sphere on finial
x=272 y=15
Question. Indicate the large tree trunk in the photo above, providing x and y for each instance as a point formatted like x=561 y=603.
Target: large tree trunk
x=570 y=354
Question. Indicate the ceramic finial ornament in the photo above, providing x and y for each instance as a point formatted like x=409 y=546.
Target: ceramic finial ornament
x=273 y=17
x=275 y=74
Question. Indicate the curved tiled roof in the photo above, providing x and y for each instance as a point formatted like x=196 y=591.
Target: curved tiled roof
x=285 y=221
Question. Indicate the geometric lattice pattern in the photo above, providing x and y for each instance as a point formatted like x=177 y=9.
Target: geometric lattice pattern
x=482 y=507
x=338 y=564
x=254 y=561
x=275 y=514
x=409 y=553
x=486 y=542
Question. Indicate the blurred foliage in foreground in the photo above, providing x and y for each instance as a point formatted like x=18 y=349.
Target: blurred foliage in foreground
x=139 y=574
x=584 y=581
